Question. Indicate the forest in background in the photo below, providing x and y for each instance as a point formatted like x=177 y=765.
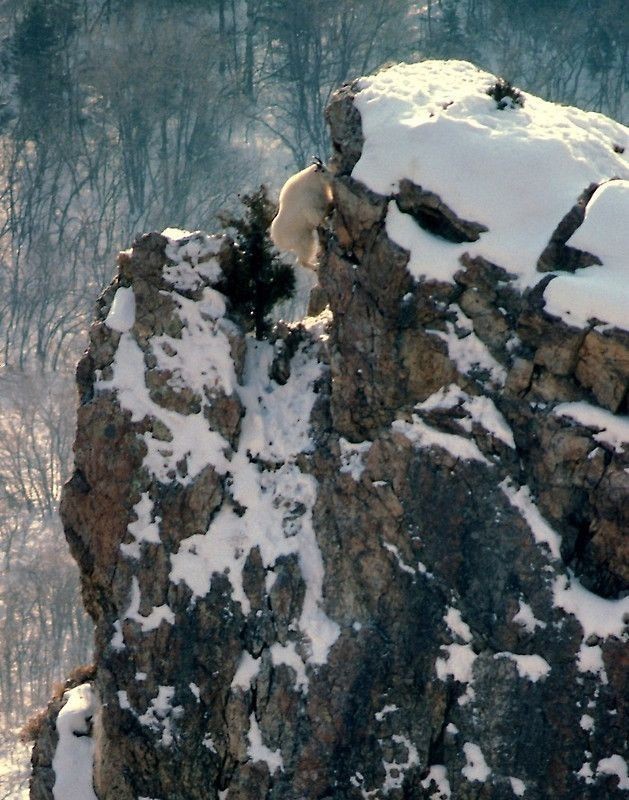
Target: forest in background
x=123 y=116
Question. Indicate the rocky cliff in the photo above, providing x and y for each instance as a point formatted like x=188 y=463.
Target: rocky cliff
x=384 y=553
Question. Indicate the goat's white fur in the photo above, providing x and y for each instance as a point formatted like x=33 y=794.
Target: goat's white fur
x=305 y=200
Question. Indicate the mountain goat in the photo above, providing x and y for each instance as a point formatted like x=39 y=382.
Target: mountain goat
x=305 y=200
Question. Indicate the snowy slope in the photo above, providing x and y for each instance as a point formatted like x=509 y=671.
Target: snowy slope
x=516 y=170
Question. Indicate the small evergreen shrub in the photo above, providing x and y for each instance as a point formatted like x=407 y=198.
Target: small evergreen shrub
x=258 y=279
x=505 y=95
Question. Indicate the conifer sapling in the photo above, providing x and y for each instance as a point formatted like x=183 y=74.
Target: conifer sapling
x=260 y=279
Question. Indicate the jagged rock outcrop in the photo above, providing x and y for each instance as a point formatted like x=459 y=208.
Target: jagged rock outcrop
x=383 y=555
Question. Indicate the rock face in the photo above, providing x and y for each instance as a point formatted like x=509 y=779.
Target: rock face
x=383 y=555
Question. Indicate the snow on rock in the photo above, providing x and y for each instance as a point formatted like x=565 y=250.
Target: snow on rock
x=518 y=787
x=191 y=441
x=277 y=503
x=161 y=715
x=395 y=771
x=597 y=615
x=598 y=292
x=527 y=619
x=434 y=124
x=612 y=429
x=187 y=356
x=467 y=351
x=476 y=768
x=121 y=316
x=258 y=751
x=541 y=530
x=423 y=436
x=532 y=667
x=194 y=259
x=144 y=529
x=74 y=755
x=481 y=409
x=232 y=493
x=247 y=671
x=614 y=765
x=154 y=619
x=352 y=457
x=438 y=775
x=287 y=654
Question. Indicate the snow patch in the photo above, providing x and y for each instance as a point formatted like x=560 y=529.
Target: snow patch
x=527 y=619
x=246 y=673
x=287 y=654
x=430 y=257
x=258 y=751
x=597 y=616
x=476 y=768
x=387 y=709
x=590 y=659
x=533 y=667
x=481 y=410
x=457 y=626
x=468 y=352
x=425 y=436
x=518 y=787
x=599 y=292
x=612 y=430
x=438 y=775
x=352 y=456
x=117 y=640
x=541 y=530
x=74 y=755
x=614 y=765
x=144 y=529
x=395 y=771
x=121 y=316
x=157 y=615
x=585 y=773
x=459 y=664
x=396 y=553
x=161 y=715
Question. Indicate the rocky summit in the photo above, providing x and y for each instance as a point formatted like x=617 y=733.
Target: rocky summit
x=382 y=554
